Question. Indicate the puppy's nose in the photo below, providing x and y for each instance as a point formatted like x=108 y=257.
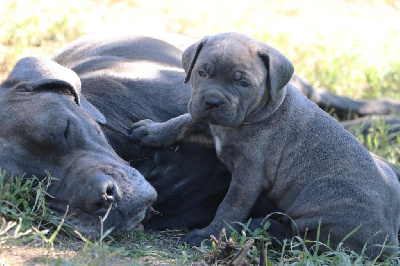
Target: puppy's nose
x=212 y=102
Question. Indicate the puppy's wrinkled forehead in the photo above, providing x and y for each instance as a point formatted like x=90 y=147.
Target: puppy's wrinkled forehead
x=228 y=54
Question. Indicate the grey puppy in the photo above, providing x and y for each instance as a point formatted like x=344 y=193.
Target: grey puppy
x=279 y=144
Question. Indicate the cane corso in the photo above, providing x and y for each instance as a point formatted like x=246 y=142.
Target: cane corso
x=46 y=124
x=279 y=145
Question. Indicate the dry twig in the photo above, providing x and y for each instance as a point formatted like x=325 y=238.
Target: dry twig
x=262 y=254
x=242 y=253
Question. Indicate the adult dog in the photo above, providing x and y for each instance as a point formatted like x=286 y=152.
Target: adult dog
x=279 y=144
x=47 y=124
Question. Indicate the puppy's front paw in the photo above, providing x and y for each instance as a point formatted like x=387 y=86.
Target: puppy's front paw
x=195 y=237
x=149 y=133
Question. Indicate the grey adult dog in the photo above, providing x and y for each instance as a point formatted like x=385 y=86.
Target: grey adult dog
x=279 y=144
x=47 y=124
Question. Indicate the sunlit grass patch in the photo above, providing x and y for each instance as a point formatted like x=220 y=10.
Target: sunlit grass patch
x=34 y=28
x=348 y=47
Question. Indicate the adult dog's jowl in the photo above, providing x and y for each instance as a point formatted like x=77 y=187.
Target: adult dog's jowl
x=279 y=144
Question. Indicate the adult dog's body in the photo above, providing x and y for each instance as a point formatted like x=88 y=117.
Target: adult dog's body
x=278 y=143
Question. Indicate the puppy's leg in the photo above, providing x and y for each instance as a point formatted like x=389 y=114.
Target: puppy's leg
x=181 y=128
x=278 y=231
x=236 y=206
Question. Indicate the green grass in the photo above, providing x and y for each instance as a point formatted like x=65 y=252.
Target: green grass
x=380 y=141
x=24 y=215
x=349 y=47
x=24 y=199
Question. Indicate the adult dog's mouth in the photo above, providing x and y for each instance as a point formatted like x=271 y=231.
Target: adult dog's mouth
x=150 y=212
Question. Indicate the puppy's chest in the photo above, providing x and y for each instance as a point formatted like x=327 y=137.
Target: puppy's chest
x=225 y=145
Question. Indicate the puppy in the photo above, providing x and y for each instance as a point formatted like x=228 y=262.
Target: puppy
x=279 y=144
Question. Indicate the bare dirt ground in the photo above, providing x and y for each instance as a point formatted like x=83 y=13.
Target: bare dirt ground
x=154 y=248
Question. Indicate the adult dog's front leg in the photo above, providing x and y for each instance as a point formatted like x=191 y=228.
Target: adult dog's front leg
x=236 y=206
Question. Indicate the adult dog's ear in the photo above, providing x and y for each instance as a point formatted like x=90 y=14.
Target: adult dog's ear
x=279 y=69
x=35 y=74
x=189 y=57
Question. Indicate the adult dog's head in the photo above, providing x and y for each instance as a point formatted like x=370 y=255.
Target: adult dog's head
x=235 y=79
x=46 y=124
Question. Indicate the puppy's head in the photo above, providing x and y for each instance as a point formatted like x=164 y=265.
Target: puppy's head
x=235 y=79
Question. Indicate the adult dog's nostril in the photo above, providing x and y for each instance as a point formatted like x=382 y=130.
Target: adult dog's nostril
x=109 y=195
x=212 y=102
x=101 y=194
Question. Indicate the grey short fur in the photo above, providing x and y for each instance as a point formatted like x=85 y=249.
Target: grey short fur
x=279 y=144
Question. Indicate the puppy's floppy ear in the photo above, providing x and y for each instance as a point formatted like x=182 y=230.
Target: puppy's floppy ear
x=279 y=69
x=190 y=55
x=36 y=74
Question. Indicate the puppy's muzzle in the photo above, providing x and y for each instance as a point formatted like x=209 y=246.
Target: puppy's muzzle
x=212 y=102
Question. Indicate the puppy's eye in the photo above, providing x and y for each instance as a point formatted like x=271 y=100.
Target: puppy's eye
x=202 y=73
x=244 y=83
